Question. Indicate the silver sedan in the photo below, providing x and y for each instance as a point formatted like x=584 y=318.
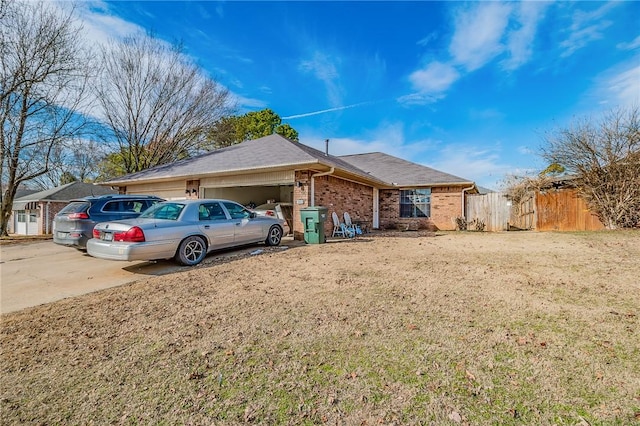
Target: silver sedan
x=185 y=230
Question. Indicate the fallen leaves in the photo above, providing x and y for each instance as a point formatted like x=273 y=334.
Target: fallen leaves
x=454 y=416
x=470 y=376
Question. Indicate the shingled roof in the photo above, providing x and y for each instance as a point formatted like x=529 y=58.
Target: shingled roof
x=269 y=152
x=400 y=172
x=277 y=152
x=65 y=192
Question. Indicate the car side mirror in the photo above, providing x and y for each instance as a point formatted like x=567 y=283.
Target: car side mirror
x=253 y=215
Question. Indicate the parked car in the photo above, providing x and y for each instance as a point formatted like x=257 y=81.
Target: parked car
x=74 y=224
x=279 y=210
x=184 y=230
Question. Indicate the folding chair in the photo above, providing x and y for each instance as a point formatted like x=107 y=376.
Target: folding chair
x=355 y=229
x=338 y=228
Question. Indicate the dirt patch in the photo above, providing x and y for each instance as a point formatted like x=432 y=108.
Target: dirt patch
x=405 y=328
x=22 y=239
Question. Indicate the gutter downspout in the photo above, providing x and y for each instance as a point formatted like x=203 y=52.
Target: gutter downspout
x=464 y=210
x=313 y=185
x=46 y=226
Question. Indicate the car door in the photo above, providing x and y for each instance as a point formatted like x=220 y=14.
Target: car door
x=246 y=229
x=216 y=225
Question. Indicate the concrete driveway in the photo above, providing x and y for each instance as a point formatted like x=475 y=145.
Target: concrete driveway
x=33 y=273
x=37 y=272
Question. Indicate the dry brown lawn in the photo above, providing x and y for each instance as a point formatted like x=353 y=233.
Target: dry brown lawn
x=457 y=328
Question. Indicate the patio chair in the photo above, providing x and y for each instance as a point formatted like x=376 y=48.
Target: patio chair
x=338 y=227
x=354 y=228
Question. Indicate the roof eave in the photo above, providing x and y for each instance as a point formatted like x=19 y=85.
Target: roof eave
x=289 y=166
x=227 y=172
x=432 y=184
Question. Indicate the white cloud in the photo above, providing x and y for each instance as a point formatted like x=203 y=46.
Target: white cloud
x=585 y=28
x=245 y=103
x=426 y=40
x=482 y=32
x=435 y=78
x=100 y=26
x=634 y=44
x=324 y=69
x=388 y=138
x=478 y=33
x=418 y=99
x=620 y=86
x=520 y=41
x=480 y=165
x=526 y=150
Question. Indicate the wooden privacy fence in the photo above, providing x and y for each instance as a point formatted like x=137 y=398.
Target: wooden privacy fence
x=564 y=210
x=494 y=209
x=553 y=210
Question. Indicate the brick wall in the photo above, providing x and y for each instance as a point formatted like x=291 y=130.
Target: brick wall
x=301 y=197
x=54 y=209
x=390 y=214
x=335 y=194
x=340 y=195
x=446 y=205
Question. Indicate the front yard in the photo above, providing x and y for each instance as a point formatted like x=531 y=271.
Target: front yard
x=458 y=328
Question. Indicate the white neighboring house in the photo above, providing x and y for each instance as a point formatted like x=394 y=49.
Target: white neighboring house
x=33 y=214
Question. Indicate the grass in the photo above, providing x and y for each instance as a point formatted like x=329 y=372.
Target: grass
x=465 y=328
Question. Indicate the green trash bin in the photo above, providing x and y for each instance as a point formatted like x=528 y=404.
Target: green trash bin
x=313 y=219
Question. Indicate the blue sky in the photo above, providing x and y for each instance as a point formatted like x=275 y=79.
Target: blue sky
x=466 y=88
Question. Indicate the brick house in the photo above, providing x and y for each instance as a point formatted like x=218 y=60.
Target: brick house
x=33 y=214
x=378 y=190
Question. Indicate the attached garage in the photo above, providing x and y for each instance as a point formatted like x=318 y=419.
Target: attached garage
x=246 y=189
x=256 y=188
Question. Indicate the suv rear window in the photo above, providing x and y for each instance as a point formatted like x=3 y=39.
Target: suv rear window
x=127 y=206
x=75 y=207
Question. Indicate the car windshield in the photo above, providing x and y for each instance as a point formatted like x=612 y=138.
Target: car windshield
x=170 y=211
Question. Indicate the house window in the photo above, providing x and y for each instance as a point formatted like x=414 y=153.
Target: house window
x=415 y=202
x=22 y=216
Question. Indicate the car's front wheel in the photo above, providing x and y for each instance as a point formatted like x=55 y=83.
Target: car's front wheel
x=191 y=251
x=274 y=237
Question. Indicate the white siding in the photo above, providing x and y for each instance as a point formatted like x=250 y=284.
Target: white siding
x=167 y=190
x=243 y=188
x=253 y=179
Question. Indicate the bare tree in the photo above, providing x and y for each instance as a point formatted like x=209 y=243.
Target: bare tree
x=78 y=160
x=156 y=103
x=605 y=157
x=43 y=77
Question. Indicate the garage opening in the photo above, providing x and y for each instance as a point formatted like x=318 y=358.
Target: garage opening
x=254 y=196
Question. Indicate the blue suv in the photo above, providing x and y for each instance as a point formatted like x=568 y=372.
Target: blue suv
x=73 y=225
